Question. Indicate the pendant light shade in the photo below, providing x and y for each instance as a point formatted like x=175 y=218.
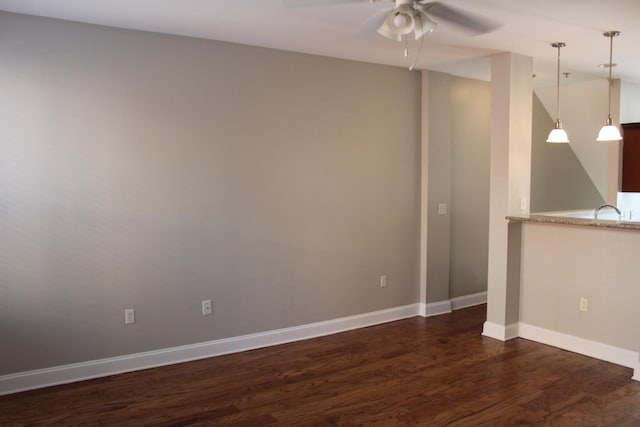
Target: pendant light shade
x=557 y=134
x=609 y=131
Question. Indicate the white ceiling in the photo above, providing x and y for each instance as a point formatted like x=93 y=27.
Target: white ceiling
x=527 y=27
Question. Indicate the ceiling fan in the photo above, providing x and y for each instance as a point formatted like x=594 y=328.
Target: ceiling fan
x=413 y=16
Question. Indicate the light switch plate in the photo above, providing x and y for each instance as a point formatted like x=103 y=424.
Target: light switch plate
x=129 y=316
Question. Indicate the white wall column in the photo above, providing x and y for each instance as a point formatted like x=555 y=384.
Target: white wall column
x=510 y=179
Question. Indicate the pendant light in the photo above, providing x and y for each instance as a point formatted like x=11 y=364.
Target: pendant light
x=609 y=131
x=557 y=134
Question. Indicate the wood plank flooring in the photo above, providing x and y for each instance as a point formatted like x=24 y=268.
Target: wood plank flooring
x=416 y=372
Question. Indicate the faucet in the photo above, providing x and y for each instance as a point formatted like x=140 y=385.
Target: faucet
x=606 y=205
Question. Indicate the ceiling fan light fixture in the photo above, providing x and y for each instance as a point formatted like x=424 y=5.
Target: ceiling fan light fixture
x=396 y=25
x=609 y=131
x=399 y=20
x=406 y=19
x=424 y=26
x=402 y=23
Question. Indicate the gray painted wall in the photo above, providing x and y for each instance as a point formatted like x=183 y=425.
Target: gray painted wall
x=558 y=179
x=471 y=102
x=439 y=170
x=459 y=138
x=152 y=171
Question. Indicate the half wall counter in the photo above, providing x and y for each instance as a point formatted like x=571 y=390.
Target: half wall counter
x=579 y=286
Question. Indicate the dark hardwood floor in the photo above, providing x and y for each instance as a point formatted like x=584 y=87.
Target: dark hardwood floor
x=418 y=372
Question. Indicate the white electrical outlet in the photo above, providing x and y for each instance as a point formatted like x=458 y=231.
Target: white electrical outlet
x=129 y=316
x=442 y=208
x=383 y=281
x=206 y=307
x=584 y=304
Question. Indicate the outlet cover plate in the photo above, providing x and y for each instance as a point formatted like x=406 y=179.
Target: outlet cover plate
x=207 y=310
x=129 y=316
x=584 y=304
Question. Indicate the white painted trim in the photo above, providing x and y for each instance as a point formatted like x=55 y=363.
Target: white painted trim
x=500 y=332
x=493 y=330
x=512 y=331
x=435 y=308
x=468 y=300
x=447 y=306
x=598 y=350
x=29 y=380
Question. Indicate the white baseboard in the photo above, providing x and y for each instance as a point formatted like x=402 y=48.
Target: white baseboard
x=468 y=300
x=500 y=332
x=446 y=306
x=597 y=350
x=30 y=380
x=64 y=374
x=435 y=308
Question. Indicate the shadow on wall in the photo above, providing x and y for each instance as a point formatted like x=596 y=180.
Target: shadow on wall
x=558 y=179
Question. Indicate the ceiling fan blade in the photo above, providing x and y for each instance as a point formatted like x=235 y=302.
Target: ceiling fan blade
x=371 y=25
x=465 y=20
x=296 y=3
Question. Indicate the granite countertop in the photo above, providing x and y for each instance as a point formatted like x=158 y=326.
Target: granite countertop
x=567 y=220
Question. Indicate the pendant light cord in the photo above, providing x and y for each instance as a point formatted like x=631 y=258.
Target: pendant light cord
x=611 y=35
x=558 y=45
x=558 y=84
